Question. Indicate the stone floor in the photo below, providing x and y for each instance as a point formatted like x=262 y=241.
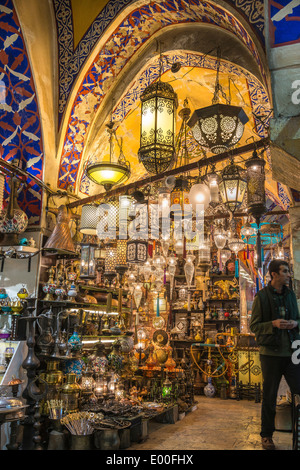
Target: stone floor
x=214 y=425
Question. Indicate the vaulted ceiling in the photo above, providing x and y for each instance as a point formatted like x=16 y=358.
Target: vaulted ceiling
x=91 y=60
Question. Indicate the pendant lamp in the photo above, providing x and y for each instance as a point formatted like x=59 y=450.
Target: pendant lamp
x=232 y=186
x=109 y=173
x=256 y=197
x=218 y=127
x=157 y=137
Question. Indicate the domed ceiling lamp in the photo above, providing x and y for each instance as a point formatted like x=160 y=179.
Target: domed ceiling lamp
x=218 y=127
x=232 y=186
x=157 y=137
x=108 y=173
x=256 y=196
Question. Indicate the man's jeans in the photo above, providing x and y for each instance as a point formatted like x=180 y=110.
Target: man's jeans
x=273 y=368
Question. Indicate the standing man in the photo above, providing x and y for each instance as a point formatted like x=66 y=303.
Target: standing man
x=275 y=322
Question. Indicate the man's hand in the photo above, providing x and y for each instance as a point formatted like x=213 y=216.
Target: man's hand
x=284 y=324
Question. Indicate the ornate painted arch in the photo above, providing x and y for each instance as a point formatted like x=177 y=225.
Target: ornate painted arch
x=132 y=33
x=20 y=128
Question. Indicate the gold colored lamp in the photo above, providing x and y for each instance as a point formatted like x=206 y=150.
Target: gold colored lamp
x=109 y=173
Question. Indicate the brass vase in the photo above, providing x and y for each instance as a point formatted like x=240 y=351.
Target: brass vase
x=70 y=393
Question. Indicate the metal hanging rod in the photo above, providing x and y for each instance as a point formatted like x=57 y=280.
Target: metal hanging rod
x=262 y=143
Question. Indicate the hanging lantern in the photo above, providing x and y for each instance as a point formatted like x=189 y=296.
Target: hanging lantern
x=220 y=236
x=236 y=244
x=89 y=219
x=247 y=231
x=232 y=187
x=157 y=141
x=138 y=293
x=121 y=253
x=218 y=127
x=280 y=251
x=166 y=389
x=189 y=269
x=107 y=220
x=213 y=184
x=225 y=255
x=137 y=251
x=180 y=193
x=110 y=260
x=199 y=194
x=172 y=264
x=88 y=263
x=256 y=197
x=204 y=255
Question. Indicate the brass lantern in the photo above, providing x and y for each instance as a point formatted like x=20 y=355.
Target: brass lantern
x=256 y=197
x=218 y=127
x=157 y=140
x=232 y=186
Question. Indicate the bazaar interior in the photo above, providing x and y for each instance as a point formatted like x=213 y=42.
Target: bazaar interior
x=149 y=173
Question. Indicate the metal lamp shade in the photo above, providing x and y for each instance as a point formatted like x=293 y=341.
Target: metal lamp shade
x=89 y=219
x=232 y=187
x=218 y=127
x=157 y=140
x=108 y=174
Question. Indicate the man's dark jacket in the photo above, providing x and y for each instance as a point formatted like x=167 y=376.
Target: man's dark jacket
x=265 y=309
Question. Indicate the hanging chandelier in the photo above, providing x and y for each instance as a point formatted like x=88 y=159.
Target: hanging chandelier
x=108 y=173
x=232 y=186
x=218 y=127
x=157 y=139
x=236 y=244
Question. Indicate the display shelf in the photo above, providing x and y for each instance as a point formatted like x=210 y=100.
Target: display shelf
x=83 y=305
x=101 y=289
